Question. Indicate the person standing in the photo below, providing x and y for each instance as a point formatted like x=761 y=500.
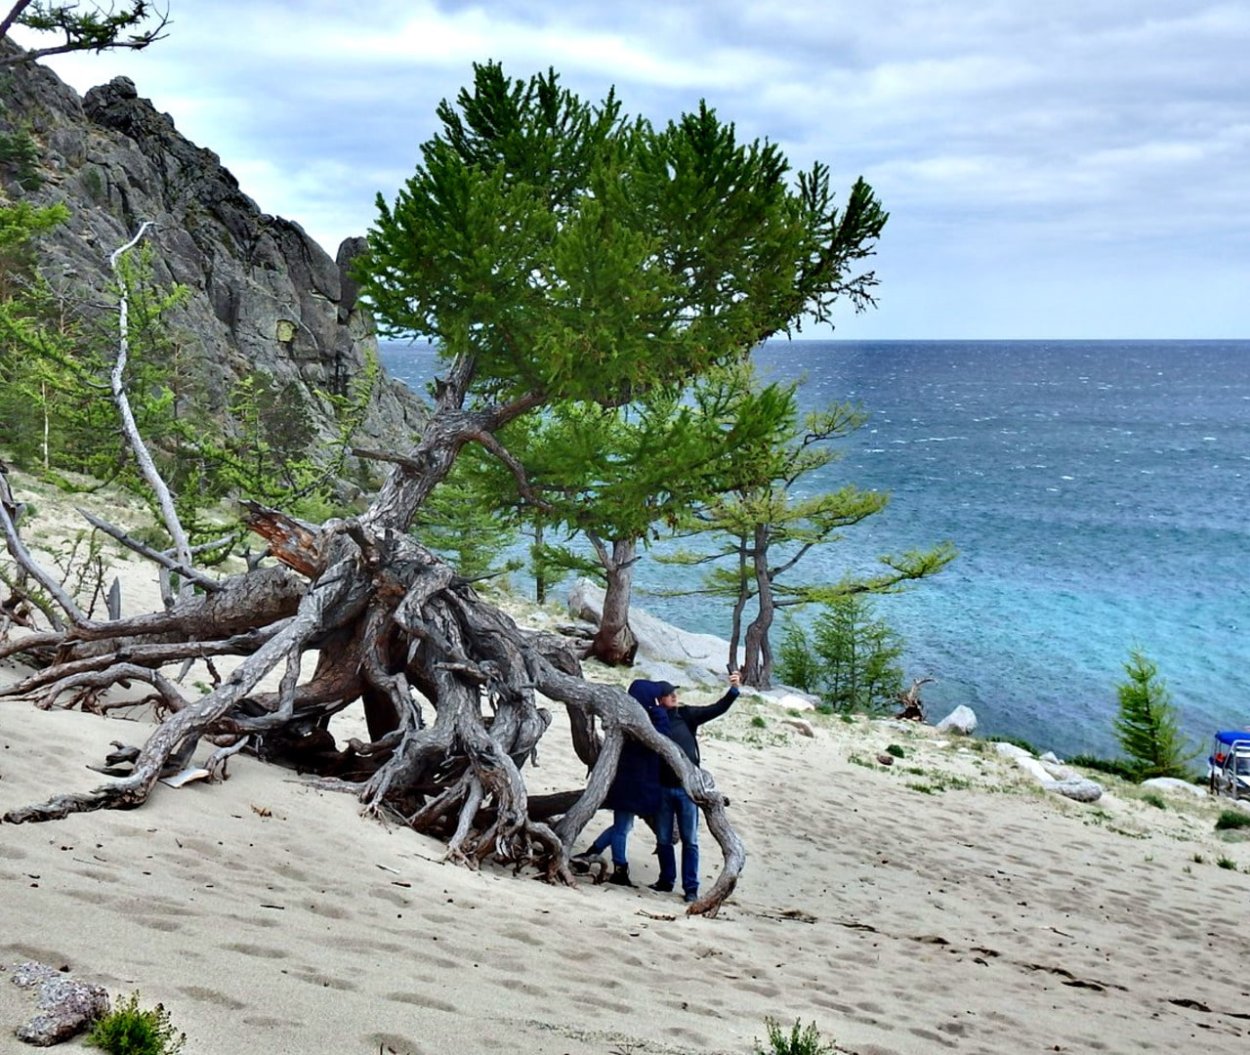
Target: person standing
x=677 y=808
x=635 y=790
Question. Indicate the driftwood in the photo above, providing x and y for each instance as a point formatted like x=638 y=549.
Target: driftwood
x=450 y=685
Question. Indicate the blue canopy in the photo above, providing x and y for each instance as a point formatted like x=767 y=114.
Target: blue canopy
x=1230 y=736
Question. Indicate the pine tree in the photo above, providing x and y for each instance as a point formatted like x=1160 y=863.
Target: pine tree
x=1147 y=725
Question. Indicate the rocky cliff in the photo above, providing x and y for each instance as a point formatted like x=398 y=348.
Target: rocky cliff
x=263 y=294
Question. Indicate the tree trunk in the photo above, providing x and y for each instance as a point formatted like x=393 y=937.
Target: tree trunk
x=757 y=667
x=615 y=644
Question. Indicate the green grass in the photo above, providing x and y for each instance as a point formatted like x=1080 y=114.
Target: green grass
x=1155 y=799
x=1227 y=862
x=895 y=750
x=798 y=1041
x=130 y=1030
x=758 y=722
x=1231 y=819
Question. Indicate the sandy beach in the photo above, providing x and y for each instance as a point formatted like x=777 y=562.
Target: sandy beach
x=943 y=903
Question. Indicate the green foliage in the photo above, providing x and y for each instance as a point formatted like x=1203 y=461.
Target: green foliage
x=1154 y=799
x=1230 y=820
x=797 y=1041
x=131 y=1030
x=856 y=657
x=895 y=750
x=1147 y=726
x=460 y=521
x=1116 y=767
x=79 y=25
x=758 y=722
x=19 y=156
x=1226 y=862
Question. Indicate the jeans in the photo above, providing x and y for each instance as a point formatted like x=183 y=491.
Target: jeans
x=616 y=836
x=676 y=805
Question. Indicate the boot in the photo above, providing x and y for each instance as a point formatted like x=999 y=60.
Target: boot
x=661 y=887
x=580 y=863
x=620 y=876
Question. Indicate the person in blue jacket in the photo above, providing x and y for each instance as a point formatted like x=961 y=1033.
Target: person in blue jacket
x=677 y=807
x=635 y=790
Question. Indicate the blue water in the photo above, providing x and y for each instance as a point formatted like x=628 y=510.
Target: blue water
x=1098 y=495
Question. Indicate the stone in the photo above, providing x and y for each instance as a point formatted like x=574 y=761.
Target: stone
x=801 y=725
x=1078 y=789
x=1174 y=784
x=66 y=1006
x=961 y=720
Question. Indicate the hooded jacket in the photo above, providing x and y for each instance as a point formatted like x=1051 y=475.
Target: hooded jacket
x=636 y=786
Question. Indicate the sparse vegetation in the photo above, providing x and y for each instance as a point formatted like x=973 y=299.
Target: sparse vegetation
x=798 y=1041
x=895 y=750
x=1155 y=800
x=131 y=1030
x=1113 y=766
x=1230 y=820
x=1227 y=863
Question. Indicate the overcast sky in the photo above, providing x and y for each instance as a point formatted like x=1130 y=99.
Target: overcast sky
x=1072 y=168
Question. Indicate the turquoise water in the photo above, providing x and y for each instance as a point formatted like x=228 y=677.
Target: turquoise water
x=1097 y=492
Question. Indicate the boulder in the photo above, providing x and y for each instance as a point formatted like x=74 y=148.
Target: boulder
x=801 y=725
x=1174 y=784
x=961 y=720
x=1078 y=789
x=66 y=1006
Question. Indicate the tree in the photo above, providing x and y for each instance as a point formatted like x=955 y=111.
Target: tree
x=613 y=474
x=850 y=658
x=1147 y=725
x=768 y=528
x=557 y=252
x=84 y=27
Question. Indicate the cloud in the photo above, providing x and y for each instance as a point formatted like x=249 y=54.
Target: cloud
x=1011 y=137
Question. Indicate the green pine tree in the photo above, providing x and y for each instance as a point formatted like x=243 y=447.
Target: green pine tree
x=1147 y=725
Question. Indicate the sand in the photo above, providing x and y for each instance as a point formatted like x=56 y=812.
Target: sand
x=942 y=904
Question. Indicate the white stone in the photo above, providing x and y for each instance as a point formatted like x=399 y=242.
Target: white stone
x=1175 y=784
x=1079 y=789
x=801 y=724
x=789 y=700
x=961 y=720
x=1012 y=751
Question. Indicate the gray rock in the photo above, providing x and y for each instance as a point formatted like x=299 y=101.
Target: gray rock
x=1173 y=784
x=263 y=295
x=961 y=720
x=1079 y=789
x=66 y=1006
x=800 y=725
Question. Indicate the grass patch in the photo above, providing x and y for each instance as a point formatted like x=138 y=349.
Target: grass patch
x=1155 y=799
x=1116 y=767
x=895 y=750
x=1231 y=819
x=1227 y=862
x=758 y=722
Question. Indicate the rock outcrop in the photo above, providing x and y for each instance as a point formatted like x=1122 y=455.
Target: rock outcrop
x=263 y=294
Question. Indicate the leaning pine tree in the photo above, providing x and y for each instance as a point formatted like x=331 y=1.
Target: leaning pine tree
x=556 y=251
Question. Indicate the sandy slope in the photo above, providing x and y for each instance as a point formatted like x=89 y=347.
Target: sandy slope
x=940 y=904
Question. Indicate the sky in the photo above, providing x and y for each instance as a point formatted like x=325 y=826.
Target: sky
x=1067 y=169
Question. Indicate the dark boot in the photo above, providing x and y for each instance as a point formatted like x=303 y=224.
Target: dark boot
x=620 y=876
x=581 y=863
x=661 y=887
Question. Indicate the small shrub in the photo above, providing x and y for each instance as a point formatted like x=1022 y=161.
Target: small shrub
x=758 y=722
x=1155 y=799
x=798 y=1041
x=130 y=1030
x=1230 y=819
x=1227 y=862
x=895 y=750
x=1199 y=859
x=1114 y=766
